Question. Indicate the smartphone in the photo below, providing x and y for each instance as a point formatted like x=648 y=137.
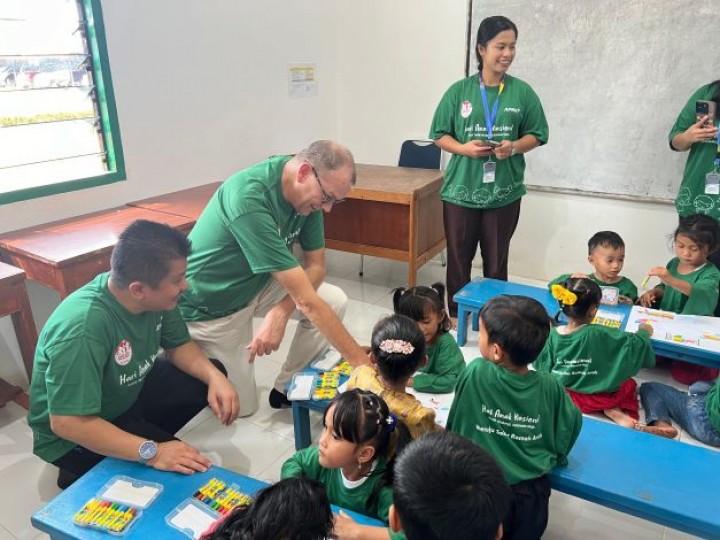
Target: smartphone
x=495 y=143
x=705 y=108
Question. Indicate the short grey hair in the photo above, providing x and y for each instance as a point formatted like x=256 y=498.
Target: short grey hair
x=329 y=156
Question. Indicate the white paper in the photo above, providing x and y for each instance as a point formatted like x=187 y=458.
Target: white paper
x=328 y=360
x=688 y=330
x=193 y=519
x=124 y=492
x=440 y=403
x=302 y=80
x=302 y=386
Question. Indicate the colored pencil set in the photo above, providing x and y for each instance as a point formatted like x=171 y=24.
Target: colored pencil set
x=220 y=497
x=106 y=515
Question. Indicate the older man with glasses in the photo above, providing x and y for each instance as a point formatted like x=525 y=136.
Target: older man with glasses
x=242 y=265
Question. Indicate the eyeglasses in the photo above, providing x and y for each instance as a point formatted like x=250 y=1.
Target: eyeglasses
x=326 y=197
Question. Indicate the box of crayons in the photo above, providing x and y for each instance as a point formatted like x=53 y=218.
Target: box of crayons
x=117 y=506
x=210 y=502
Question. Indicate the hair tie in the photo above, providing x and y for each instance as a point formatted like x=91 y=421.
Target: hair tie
x=396 y=346
x=562 y=295
x=391 y=422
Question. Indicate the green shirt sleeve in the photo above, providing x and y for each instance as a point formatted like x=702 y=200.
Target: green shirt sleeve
x=303 y=463
x=257 y=235
x=534 y=122
x=544 y=361
x=568 y=423
x=686 y=118
x=174 y=331
x=704 y=293
x=74 y=376
x=312 y=234
x=445 y=364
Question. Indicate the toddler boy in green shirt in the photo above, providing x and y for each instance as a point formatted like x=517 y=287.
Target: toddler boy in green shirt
x=606 y=254
x=522 y=418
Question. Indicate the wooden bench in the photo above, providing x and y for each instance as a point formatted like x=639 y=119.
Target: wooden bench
x=14 y=301
x=665 y=481
x=65 y=255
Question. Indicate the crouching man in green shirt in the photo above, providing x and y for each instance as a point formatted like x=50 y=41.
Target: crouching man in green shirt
x=101 y=388
x=243 y=266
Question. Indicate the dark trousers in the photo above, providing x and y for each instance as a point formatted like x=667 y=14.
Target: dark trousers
x=465 y=228
x=169 y=399
x=528 y=515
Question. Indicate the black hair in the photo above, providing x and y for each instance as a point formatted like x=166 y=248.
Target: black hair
x=518 y=324
x=144 y=252
x=415 y=303
x=293 y=509
x=605 y=239
x=394 y=364
x=363 y=417
x=448 y=488
x=701 y=229
x=588 y=295
x=488 y=29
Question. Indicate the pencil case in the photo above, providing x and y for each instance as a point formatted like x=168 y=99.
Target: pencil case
x=117 y=506
x=215 y=499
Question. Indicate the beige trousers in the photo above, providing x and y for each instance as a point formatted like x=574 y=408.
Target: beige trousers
x=227 y=337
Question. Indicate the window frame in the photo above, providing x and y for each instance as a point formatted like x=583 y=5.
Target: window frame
x=105 y=102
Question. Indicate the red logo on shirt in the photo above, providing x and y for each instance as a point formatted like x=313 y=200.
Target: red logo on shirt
x=465 y=109
x=123 y=353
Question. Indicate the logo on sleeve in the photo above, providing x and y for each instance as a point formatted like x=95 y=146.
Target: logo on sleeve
x=123 y=353
x=465 y=109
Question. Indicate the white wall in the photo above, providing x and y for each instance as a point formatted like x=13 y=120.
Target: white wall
x=201 y=91
x=400 y=59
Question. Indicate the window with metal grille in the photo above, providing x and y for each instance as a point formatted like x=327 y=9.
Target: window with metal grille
x=58 y=124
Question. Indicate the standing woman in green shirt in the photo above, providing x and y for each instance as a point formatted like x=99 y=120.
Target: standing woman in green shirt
x=487 y=121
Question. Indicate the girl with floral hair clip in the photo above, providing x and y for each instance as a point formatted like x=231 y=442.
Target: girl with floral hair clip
x=594 y=363
x=397 y=351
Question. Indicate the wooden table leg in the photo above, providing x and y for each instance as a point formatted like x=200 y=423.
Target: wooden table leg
x=8 y=392
x=25 y=330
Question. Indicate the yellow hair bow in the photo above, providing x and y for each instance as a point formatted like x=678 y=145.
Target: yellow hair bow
x=561 y=294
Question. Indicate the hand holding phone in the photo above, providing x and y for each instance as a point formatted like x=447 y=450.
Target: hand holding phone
x=705 y=108
x=492 y=143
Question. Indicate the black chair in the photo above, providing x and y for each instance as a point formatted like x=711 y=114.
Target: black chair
x=418 y=154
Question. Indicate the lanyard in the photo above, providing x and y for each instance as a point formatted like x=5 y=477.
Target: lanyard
x=717 y=152
x=490 y=117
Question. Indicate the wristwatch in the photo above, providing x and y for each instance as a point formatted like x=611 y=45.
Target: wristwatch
x=147 y=451
x=512 y=149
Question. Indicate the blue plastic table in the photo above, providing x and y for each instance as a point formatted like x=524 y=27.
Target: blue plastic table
x=661 y=480
x=56 y=518
x=473 y=296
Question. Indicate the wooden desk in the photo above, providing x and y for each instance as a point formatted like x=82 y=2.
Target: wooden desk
x=392 y=212
x=187 y=203
x=56 y=518
x=14 y=301
x=65 y=255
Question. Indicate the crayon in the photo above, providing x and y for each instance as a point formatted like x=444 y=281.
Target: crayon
x=645 y=282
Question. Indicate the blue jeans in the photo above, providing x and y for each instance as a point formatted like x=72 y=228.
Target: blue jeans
x=664 y=403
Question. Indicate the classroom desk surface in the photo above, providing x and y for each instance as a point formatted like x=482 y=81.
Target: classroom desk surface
x=187 y=202
x=56 y=518
x=476 y=293
x=391 y=212
x=665 y=481
x=65 y=255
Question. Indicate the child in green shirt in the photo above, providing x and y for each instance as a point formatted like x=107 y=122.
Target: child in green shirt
x=689 y=283
x=523 y=418
x=354 y=460
x=594 y=363
x=426 y=306
x=606 y=254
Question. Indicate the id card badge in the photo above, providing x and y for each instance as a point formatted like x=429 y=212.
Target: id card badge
x=489 y=172
x=712 y=183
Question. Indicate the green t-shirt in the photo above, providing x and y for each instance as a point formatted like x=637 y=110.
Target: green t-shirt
x=245 y=233
x=444 y=366
x=691 y=198
x=526 y=422
x=703 y=296
x=92 y=358
x=461 y=115
x=369 y=498
x=595 y=358
x=712 y=404
x=626 y=287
